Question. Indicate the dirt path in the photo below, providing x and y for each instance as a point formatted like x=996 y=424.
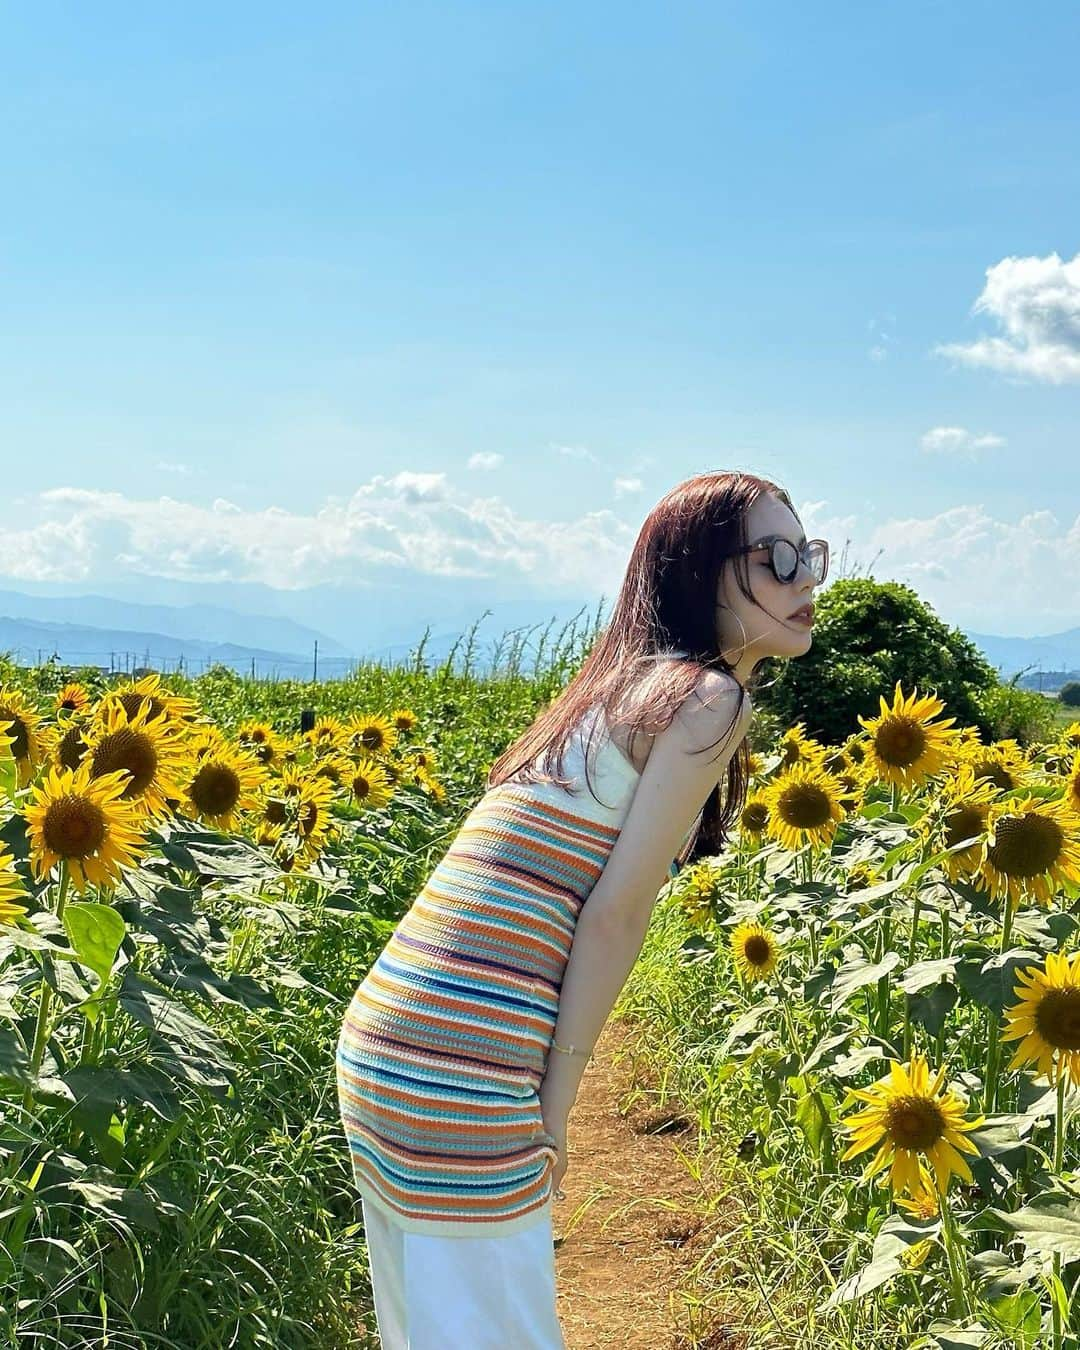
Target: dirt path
x=635 y=1221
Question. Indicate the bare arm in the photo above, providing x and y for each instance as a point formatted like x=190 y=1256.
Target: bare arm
x=612 y=925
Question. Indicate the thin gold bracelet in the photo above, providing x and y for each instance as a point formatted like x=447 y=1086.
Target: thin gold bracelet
x=568 y=1049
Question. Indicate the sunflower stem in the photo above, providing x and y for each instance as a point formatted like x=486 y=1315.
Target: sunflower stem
x=37 y=1053
x=1059 y=1157
x=911 y=962
x=955 y=1257
x=990 y=1088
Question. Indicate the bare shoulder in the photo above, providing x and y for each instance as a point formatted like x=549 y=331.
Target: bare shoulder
x=717 y=705
x=688 y=758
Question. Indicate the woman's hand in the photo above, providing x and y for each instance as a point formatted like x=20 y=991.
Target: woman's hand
x=556 y=1117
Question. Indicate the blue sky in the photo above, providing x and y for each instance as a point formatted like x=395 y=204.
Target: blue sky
x=470 y=286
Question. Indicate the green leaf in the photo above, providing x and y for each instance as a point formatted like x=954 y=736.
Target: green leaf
x=95 y=932
x=856 y=974
x=924 y=973
x=1020 y=1314
x=1049 y=1223
x=931 y=1008
x=991 y=982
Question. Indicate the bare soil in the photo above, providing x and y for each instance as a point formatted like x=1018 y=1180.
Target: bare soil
x=636 y=1222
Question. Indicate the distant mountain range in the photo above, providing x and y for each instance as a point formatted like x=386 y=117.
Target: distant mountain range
x=274 y=635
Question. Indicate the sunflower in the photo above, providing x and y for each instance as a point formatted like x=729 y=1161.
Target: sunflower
x=30 y=739
x=754 y=950
x=797 y=747
x=335 y=768
x=964 y=805
x=149 y=748
x=1032 y=847
x=220 y=784
x=177 y=710
x=73 y=698
x=906 y=746
x=1071 y=734
x=11 y=888
x=404 y=720
x=754 y=816
x=804 y=807
x=313 y=810
x=923 y=1202
x=68 y=751
x=427 y=782
x=262 y=740
x=328 y=733
x=87 y=822
x=1003 y=763
x=205 y=740
x=369 y=784
x=1046 y=1020
x=372 y=735
x=907 y=1116
x=699 y=890
x=290 y=781
x=1072 y=783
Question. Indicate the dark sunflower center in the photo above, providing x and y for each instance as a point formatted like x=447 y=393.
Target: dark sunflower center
x=789 y=753
x=963 y=823
x=856 y=753
x=996 y=772
x=900 y=741
x=127 y=749
x=215 y=789
x=804 y=805
x=16 y=729
x=371 y=738
x=757 y=950
x=914 y=1122
x=756 y=816
x=71 y=749
x=291 y=789
x=1025 y=845
x=74 y=826
x=309 y=817
x=360 y=786
x=275 y=812
x=131 y=704
x=1058 y=1018
x=257 y=734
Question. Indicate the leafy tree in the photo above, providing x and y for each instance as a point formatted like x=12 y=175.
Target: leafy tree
x=1069 y=694
x=867 y=635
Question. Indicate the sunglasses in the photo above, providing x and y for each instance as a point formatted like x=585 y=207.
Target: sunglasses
x=784 y=557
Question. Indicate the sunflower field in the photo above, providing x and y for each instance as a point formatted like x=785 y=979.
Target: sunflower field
x=871 y=998
x=184 y=913
x=874 y=1004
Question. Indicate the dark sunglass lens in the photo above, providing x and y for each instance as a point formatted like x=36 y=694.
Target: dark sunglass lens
x=785 y=559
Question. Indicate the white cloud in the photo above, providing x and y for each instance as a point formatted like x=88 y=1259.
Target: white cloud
x=484 y=459
x=628 y=487
x=975 y=570
x=574 y=452
x=958 y=441
x=1037 y=303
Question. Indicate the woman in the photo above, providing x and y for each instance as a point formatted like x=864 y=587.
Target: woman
x=463 y=1048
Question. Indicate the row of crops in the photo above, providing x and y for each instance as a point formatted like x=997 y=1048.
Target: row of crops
x=183 y=915
x=881 y=988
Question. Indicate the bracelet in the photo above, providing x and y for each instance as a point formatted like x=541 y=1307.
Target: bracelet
x=568 y=1049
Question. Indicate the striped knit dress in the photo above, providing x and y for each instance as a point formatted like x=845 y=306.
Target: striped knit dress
x=444 y=1045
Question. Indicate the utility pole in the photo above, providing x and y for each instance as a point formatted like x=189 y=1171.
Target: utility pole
x=315 y=667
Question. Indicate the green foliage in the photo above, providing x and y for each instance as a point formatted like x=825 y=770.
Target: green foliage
x=1021 y=714
x=868 y=635
x=1069 y=694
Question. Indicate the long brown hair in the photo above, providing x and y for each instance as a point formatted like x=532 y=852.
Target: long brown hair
x=667 y=600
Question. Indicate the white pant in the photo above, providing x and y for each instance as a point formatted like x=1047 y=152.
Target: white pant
x=463 y=1293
